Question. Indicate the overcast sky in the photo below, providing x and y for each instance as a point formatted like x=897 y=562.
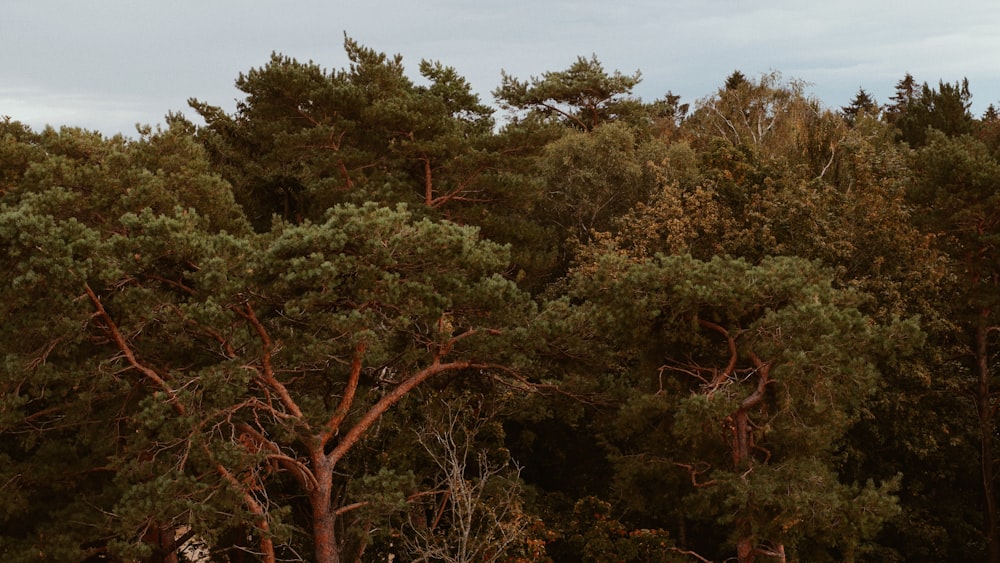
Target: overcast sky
x=109 y=64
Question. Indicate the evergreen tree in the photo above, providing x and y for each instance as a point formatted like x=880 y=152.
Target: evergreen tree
x=862 y=104
x=735 y=80
x=217 y=381
x=305 y=139
x=915 y=109
x=959 y=202
x=582 y=96
x=738 y=383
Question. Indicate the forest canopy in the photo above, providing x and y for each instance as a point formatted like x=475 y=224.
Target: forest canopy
x=368 y=317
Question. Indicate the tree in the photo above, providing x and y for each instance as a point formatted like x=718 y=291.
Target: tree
x=987 y=129
x=582 y=96
x=743 y=379
x=746 y=112
x=768 y=119
x=249 y=370
x=856 y=219
x=959 y=203
x=590 y=178
x=598 y=536
x=914 y=110
x=295 y=145
x=65 y=190
x=305 y=139
x=862 y=104
x=445 y=131
x=907 y=92
x=736 y=80
x=476 y=511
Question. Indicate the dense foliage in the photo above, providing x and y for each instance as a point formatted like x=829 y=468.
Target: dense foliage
x=362 y=319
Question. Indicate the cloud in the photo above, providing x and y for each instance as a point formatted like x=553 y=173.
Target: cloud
x=39 y=108
x=115 y=62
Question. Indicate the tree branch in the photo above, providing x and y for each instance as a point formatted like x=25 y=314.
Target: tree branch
x=378 y=409
x=764 y=369
x=266 y=544
x=126 y=350
x=267 y=371
x=300 y=470
x=333 y=425
x=731 y=366
x=349 y=507
x=695 y=472
x=568 y=116
x=691 y=553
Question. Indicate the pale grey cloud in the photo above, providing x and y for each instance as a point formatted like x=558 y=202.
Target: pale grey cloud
x=107 y=64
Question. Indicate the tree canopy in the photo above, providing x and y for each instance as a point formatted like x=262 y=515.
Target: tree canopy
x=364 y=318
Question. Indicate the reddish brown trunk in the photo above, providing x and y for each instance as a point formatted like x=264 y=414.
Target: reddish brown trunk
x=428 y=183
x=346 y=175
x=743 y=441
x=324 y=517
x=745 y=551
x=162 y=540
x=984 y=410
x=742 y=446
x=324 y=535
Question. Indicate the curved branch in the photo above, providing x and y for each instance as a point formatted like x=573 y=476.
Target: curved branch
x=300 y=470
x=333 y=425
x=378 y=409
x=462 y=187
x=764 y=369
x=731 y=366
x=266 y=543
x=567 y=115
x=695 y=472
x=267 y=370
x=126 y=350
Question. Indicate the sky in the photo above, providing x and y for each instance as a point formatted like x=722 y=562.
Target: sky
x=108 y=65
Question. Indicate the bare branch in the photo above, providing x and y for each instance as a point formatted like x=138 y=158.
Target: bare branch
x=695 y=470
x=691 y=553
x=349 y=507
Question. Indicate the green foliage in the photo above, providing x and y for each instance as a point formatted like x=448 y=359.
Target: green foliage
x=863 y=104
x=186 y=320
x=582 y=96
x=593 y=177
x=301 y=329
x=715 y=334
x=597 y=536
x=915 y=110
x=305 y=139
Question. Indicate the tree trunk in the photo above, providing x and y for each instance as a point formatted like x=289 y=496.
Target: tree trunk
x=984 y=410
x=324 y=517
x=325 y=535
x=745 y=551
x=742 y=443
x=162 y=540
